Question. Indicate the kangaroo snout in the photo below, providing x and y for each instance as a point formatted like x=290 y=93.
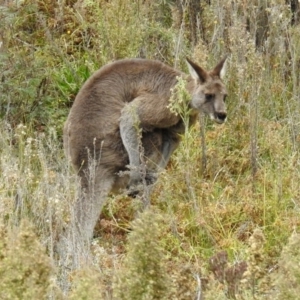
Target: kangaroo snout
x=220 y=117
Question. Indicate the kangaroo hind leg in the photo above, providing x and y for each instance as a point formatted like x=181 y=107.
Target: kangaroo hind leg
x=84 y=216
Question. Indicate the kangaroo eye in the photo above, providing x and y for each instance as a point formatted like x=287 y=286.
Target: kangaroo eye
x=225 y=97
x=209 y=97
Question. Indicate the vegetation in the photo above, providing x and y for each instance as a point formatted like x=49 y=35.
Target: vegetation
x=224 y=218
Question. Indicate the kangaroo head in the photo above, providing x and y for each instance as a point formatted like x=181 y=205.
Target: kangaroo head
x=208 y=90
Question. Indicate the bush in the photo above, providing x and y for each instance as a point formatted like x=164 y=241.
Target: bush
x=25 y=268
x=144 y=275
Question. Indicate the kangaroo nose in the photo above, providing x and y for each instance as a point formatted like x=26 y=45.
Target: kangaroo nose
x=221 y=116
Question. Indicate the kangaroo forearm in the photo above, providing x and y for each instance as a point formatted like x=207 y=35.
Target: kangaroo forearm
x=129 y=130
x=169 y=146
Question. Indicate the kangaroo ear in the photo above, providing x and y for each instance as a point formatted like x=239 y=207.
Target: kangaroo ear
x=220 y=68
x=196 y=71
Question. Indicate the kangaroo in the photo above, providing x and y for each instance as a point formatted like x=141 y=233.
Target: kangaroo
x=122 y=106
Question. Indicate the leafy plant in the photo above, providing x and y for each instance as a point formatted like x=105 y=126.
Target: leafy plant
x=144 y=275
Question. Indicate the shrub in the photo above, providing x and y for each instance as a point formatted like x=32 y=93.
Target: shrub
x=25 y=268
x=144 y=275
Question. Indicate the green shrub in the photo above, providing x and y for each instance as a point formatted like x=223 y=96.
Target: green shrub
x=287 y=278
x=144 y=275
x=25 y=268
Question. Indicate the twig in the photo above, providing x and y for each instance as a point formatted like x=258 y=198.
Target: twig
x=199 y=290
x=203 y=142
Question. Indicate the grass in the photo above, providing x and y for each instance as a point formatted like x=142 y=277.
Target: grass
x=228 y=198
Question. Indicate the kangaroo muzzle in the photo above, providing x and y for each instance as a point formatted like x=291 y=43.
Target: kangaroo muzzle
x=220 y=117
